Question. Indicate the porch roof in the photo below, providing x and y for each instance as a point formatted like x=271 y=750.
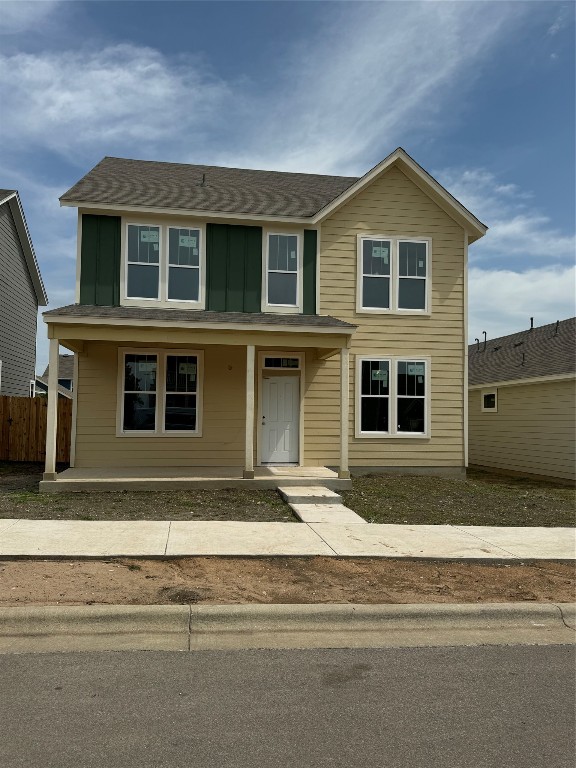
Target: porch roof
x=76 y=324
x=99 y=315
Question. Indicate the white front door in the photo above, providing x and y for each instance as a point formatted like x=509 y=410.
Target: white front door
x=280 y=419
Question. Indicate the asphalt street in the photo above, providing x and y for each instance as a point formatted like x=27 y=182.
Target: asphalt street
x=482 y=707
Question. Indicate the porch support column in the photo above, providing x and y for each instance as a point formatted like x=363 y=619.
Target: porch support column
x=249 y=450
x=52 y=417
x=344 y=412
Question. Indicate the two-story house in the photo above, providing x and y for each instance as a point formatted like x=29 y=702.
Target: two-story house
x=237 y=323
x=21 y=293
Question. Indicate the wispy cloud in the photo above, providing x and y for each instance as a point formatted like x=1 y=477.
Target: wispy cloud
x=517 y=228
x=123 y=97
x=20 y=15
x=502 y=300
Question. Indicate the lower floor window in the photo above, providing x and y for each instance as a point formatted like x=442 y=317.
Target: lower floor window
x=160 y=391
x=391 y=396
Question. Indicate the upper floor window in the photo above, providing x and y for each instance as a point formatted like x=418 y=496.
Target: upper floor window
x=163 y=265
x=283 y=272
x=393 y=275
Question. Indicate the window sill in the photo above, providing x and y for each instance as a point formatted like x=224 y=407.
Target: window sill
x=387 y=436
x=281 y=309
x=158 y=304
x=180 y=433
x=394 y=312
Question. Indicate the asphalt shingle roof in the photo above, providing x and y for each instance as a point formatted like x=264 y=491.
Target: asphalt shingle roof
x=146 y=183
x=197 y=316
x=548 y=350
x=65 y=367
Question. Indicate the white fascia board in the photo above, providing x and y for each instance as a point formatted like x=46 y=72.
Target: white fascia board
x=133 y=322
x=519 y=382
x=429 y=184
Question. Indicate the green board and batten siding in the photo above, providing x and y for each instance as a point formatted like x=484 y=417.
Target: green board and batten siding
x=309 y=272
x=100 y=260
x=233 y=266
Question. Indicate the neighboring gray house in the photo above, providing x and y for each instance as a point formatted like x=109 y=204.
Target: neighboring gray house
x=21 y=292
x=522 y=402
x=65 y=377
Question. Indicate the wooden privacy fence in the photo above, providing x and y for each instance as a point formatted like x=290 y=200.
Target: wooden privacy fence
x=23 y=429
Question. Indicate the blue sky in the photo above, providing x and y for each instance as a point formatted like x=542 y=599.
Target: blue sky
x=479 y=93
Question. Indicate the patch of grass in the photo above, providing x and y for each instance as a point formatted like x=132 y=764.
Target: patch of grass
x=482 y=499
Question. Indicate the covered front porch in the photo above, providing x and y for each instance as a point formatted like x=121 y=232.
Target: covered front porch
x=236 y=359
x=187 y=478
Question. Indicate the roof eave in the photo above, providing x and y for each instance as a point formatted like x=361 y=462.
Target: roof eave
x=194 y=212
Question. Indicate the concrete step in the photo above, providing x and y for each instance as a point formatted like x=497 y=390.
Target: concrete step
x=312 y=494
x=326 y=513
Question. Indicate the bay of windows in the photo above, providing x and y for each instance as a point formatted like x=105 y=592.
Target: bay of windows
x=391 y=397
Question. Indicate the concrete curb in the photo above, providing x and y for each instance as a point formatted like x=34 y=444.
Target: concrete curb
x=236 y=627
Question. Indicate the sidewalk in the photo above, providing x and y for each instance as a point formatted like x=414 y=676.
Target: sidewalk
x=71 y=538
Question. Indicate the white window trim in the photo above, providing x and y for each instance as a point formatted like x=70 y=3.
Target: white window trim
x=394 y=275
x=490 y=391
x=392 y=398
x=161 y=355
x=288 y=309
x=163 y=267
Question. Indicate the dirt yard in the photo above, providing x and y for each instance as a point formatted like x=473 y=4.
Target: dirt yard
x=482 y=499
x=220 y=580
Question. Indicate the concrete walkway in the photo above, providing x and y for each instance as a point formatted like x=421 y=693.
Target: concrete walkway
x=71 y=538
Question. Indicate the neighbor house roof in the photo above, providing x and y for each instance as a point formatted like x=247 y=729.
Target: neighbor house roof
x=65 y=367
x=11 y=198
x=549 y=350
x=196 y=317
x=154 y=186
x=62 y=391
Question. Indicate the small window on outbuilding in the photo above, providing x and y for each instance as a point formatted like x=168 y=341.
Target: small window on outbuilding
x=490 y=400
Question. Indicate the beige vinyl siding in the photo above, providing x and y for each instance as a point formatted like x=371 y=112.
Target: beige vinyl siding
x=222 y=441
x=534 y=430
x=392 y=205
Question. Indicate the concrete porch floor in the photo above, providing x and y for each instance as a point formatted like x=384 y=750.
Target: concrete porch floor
x=186 y=478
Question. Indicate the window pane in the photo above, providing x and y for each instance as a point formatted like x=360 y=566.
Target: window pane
x=184 y=247
x=181 y=373
x=376 y=292
x=143 y=244
x=283 y=252
x=411 y=378
x=375 y=377
x=180 y=412
x=281 y=288
x=139 y=411
x=376 y=257
x=411 y=294
x=281 y=362
x=412 y=259
x=374 y=414
x=183 y=284
x=490 y=401
x=142 y=281
x=140 y=373
x=410 y=414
